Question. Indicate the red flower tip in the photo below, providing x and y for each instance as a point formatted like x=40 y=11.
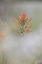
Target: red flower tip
x=23 y=16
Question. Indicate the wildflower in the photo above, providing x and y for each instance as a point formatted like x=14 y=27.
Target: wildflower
x=22 y=20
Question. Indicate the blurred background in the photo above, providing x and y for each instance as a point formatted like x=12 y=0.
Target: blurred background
x=14 y=48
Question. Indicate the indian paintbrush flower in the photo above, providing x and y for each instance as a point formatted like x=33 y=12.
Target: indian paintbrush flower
x=22 y=20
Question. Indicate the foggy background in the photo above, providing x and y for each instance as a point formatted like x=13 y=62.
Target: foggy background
x=14 y=48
